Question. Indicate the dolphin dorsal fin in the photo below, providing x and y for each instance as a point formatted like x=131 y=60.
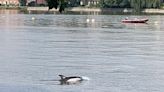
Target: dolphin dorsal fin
x=62 y=77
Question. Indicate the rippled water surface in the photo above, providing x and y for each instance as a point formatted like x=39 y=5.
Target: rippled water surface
x=116 y=57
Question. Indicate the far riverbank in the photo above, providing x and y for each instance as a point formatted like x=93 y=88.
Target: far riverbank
x=81 y=9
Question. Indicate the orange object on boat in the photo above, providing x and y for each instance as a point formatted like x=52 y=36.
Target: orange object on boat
x=135 y=20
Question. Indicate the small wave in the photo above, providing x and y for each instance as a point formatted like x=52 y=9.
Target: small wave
x=85 y=78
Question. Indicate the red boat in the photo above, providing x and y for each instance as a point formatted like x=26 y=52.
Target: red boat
x=135 y=20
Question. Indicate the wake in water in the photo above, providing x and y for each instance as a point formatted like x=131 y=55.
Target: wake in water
x=85 y=78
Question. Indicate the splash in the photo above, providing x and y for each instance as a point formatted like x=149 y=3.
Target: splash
x=85 y=78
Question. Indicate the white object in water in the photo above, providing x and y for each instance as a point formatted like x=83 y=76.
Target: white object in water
x=85 y=78
x=87 y=20
x=93 y=20
x=156 y=22
x=33 y=18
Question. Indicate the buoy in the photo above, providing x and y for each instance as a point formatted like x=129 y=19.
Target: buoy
x=156 y=22
x=33 y=18
x=87 y=20
x=93 y=20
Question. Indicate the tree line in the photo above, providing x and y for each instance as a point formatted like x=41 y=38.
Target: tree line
x=136 y=4
x=130 y=3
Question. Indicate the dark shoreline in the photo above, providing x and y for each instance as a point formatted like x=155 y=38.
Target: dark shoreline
x=82 y=9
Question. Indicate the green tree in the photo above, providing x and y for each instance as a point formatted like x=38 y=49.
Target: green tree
x=114 y=3
x=61 y=4
x=125 y=4
x=73 y=3
x=136 y=4
x=145 y=3
x=22 y=2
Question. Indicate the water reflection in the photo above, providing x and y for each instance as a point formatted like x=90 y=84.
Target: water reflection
x=7 y=11
x=12 y=18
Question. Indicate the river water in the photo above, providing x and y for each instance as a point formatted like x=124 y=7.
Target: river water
x=116 y=57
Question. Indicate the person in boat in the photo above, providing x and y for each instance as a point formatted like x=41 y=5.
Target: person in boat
x=126 y=18
x=70 y=80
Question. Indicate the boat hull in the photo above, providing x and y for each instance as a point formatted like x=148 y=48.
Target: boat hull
x=135 y=21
